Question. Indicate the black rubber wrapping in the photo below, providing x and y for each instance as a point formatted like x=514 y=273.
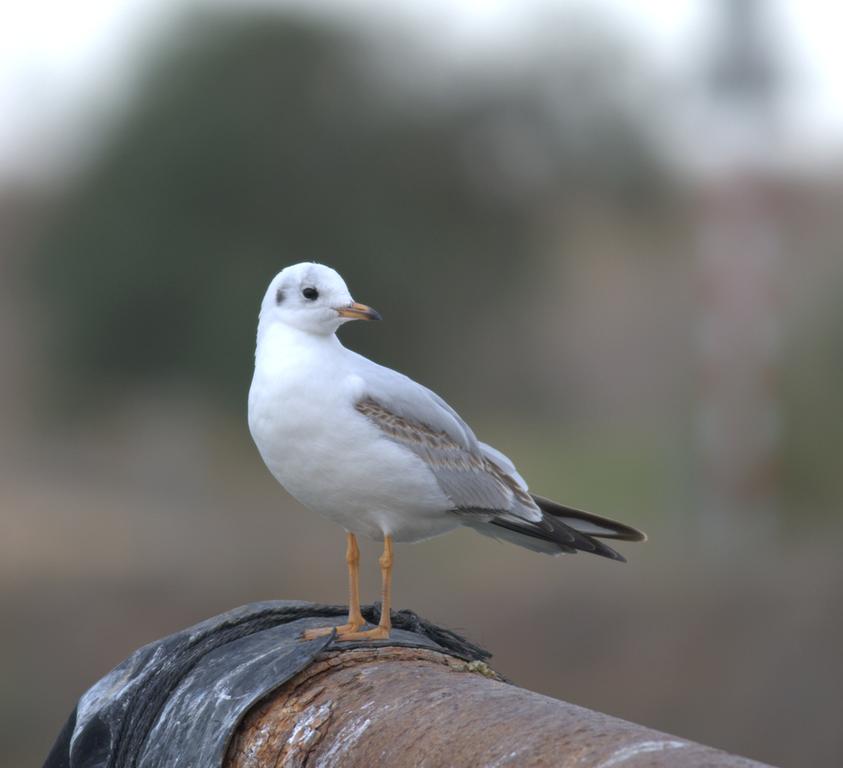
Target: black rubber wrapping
x=178 y=700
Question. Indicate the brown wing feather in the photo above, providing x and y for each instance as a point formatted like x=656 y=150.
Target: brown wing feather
x=471 y=481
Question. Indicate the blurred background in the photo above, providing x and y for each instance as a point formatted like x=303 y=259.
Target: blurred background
x=609 y=233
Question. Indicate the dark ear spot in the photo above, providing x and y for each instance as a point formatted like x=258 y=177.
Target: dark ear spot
x=279 y=296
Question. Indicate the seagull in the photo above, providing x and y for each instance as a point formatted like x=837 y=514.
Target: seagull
x=379 y=454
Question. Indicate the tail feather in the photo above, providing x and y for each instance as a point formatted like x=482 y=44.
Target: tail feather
x=556 y=533
x=561 y=529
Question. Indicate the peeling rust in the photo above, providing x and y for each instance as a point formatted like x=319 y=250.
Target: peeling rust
x=482 y=668
x=413 y=707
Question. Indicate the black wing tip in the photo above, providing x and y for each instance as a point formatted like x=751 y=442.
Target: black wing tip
x=560 y=535
x=616 y=556
x=603 y=550
x=617 y=531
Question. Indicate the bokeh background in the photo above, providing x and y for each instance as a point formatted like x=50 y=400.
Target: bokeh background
x=609 y=233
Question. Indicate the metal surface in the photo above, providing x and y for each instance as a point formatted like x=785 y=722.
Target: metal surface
x=243 y=690
x=400 y=707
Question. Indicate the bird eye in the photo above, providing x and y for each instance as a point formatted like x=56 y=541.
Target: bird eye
x=311 y=294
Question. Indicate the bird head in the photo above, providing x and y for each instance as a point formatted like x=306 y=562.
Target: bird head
x=313 y=298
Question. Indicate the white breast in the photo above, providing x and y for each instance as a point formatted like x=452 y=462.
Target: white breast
x=326 y=454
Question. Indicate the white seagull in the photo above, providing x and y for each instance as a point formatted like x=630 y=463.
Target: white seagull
x=379 y=454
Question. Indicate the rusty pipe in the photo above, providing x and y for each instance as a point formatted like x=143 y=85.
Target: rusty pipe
x=411 y=707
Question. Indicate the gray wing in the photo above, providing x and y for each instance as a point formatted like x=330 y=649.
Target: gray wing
x=475 y=480
x=482 y=484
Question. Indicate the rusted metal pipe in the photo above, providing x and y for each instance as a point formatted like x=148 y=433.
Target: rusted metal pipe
x=410 y=707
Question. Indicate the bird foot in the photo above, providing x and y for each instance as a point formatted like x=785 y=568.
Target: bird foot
x=378 y=633
x=312 y=634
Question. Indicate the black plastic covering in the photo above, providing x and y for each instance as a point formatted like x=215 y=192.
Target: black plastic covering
x=177 y=701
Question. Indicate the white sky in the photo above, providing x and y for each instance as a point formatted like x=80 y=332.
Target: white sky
x=59 y=58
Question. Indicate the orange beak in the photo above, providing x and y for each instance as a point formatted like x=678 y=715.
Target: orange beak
x=355 y=311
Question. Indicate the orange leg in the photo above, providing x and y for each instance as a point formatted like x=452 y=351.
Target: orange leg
x=355 y=618
x=381 y=632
